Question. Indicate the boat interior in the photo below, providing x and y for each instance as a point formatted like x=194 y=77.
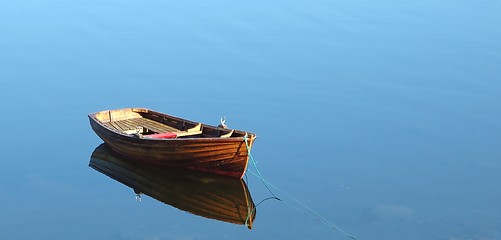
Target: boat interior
x=145 y=123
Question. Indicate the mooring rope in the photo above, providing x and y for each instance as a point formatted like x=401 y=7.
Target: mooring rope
x=261 y=177
x=251 y=212
x=257 y=169
x=310 y=212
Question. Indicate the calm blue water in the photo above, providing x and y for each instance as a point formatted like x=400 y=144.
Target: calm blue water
x=385 y=117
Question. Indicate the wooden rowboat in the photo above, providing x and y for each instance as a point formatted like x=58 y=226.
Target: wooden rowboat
x=204 y=194
x=158 y=138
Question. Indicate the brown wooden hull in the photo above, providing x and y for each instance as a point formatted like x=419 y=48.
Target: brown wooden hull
x=204 y=194
x=226 y=156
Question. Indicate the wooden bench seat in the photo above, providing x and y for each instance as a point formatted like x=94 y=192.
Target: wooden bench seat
x=160 y=131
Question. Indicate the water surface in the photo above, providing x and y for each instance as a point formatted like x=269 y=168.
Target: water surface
x=382 y=116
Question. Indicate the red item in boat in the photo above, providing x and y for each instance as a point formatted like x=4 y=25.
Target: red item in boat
x=163 y=135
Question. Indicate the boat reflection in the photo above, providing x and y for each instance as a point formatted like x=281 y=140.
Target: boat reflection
x=208 y=195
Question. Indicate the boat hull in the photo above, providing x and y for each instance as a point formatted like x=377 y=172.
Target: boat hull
x=225 y=156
